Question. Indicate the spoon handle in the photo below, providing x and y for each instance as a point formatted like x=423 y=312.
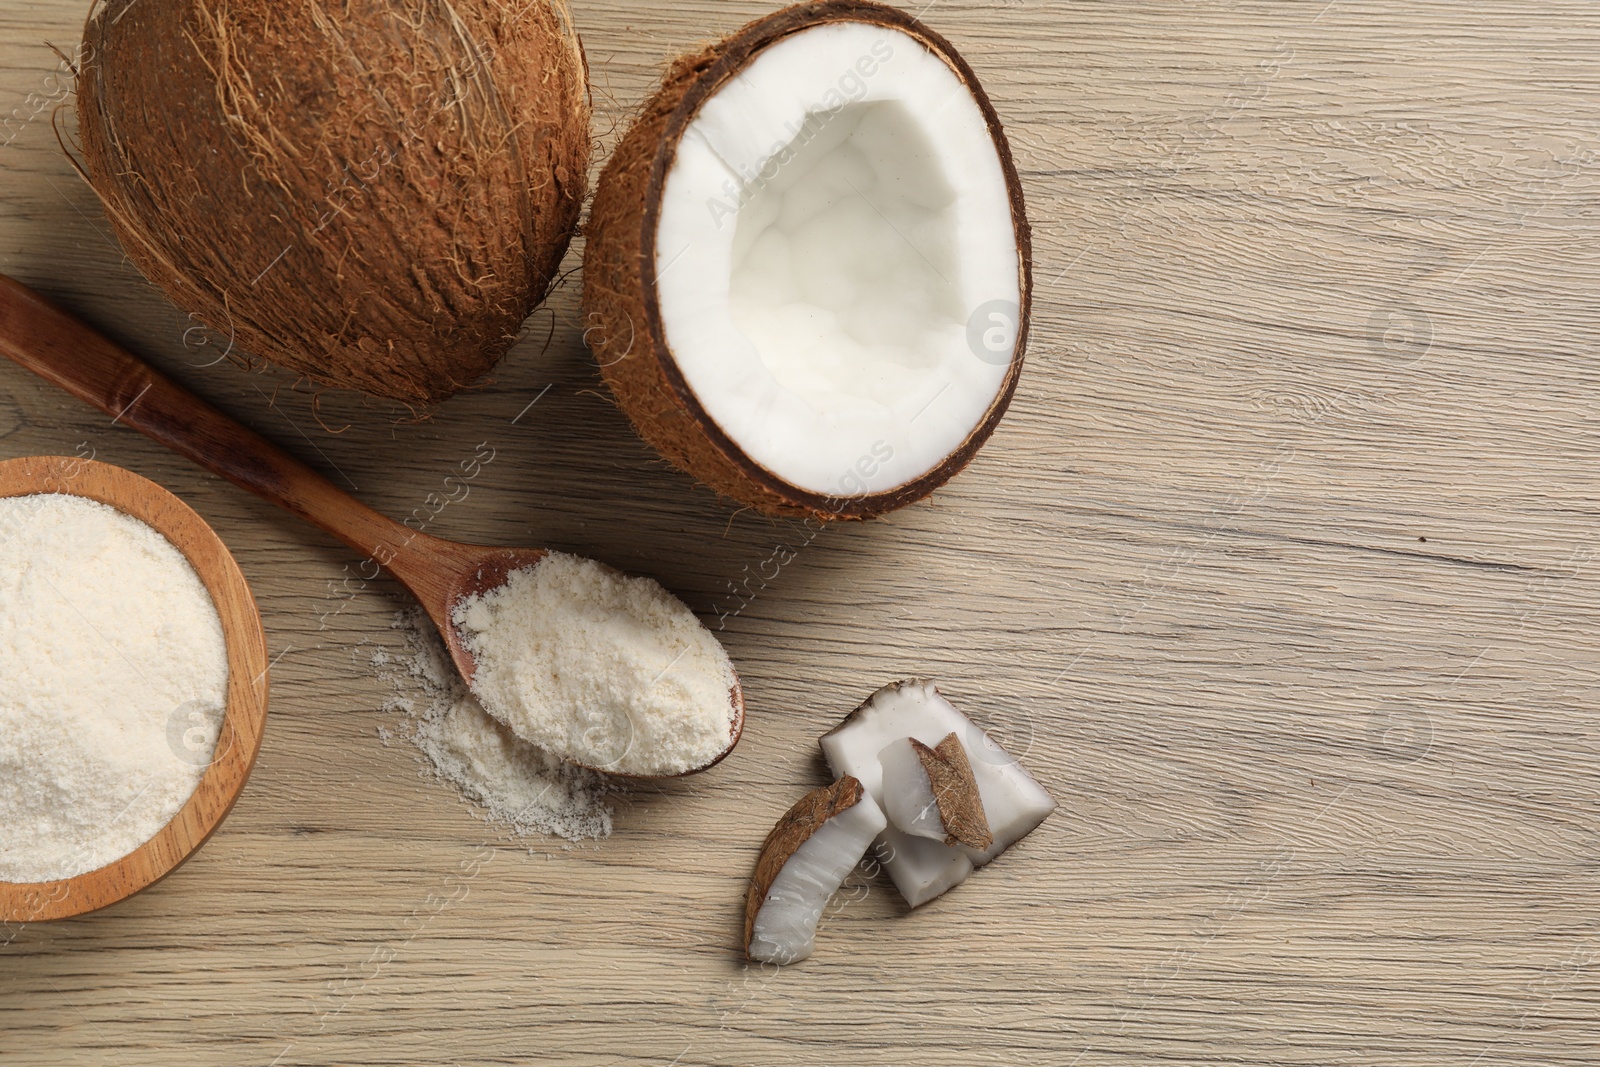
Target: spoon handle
x=46 y=340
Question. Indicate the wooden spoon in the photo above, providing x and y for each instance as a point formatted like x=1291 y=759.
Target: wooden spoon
x=439 y=573
x=240 y=737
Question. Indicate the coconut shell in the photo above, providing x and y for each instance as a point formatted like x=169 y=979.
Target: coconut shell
x=619 y=296
x=792 y=831
x=955 y=791
x=371 y=194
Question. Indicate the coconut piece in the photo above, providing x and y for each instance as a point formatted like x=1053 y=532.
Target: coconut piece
x=920 y=869
x=930 y=792
x=373 y=195
x=804 y=860
x=1013 y=799
x=808 y=274
x=1013 y=802
x=908 y=799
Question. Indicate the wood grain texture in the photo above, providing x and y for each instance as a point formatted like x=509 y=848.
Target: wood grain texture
x=1280 y=573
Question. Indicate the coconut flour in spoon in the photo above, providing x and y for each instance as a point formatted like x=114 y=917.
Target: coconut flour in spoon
x=607 y=670
x=113 y=682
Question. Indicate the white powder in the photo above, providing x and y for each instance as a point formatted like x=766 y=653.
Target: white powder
x=599 y=667
x=115 y=679
x=518 y=786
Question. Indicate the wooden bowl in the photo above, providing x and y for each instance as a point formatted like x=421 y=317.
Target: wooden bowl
x=240 y=737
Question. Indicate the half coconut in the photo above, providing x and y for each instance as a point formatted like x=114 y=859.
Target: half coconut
x=808 y=273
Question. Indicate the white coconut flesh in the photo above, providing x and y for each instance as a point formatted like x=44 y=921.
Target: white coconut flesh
x=920 y=869
x=837 y=267
x=908 y=800
x=1013 y=801
x=786 y=926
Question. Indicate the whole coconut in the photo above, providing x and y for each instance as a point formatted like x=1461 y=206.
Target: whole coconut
x=371 y=194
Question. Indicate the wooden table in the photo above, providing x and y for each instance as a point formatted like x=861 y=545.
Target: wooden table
x=1282 y=571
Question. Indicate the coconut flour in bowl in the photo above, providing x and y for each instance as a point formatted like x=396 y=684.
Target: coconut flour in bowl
x=113 y=684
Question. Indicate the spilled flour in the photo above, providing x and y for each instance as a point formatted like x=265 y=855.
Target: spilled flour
x=516 y=784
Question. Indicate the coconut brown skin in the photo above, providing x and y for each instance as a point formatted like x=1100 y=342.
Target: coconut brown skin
x=792 y=831
x=371 y=194
x=619 y=295
x=955 y=791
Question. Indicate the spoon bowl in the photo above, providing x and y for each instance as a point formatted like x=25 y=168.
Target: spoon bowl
x=240 y=737
x=441 y=574
x=46 y=340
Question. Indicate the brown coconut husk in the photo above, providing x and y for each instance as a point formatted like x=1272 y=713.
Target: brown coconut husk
x=619 y=298
x=372 y=195
x=792 y=831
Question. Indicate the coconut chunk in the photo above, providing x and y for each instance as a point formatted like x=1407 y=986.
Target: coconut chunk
x=804 y=860
x=921 y=869
x=1013 y=802
x=930 y=792
x=908 y=799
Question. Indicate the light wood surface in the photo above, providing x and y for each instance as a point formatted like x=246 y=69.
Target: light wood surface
x=227 y=766
x=1281 y=573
